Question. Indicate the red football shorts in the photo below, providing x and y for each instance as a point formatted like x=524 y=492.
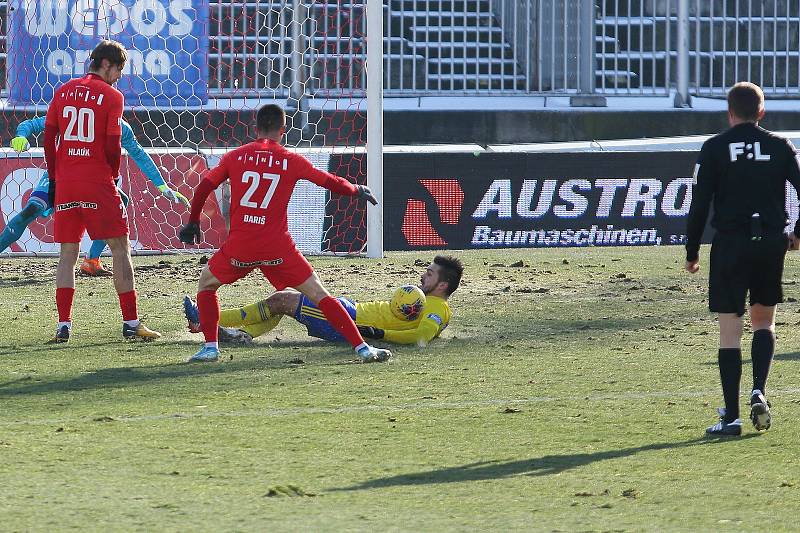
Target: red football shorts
x=88 y=206
x=288 y=269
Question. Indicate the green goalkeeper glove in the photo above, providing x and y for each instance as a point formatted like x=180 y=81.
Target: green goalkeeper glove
x=173 y=196
x=20 y=144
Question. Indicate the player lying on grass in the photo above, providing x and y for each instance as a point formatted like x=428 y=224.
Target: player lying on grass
x=375 y=320
x=262 y=175
x=38 y=204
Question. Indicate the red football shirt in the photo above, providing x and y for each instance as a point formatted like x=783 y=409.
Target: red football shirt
x=85 y=111
x=263 y=174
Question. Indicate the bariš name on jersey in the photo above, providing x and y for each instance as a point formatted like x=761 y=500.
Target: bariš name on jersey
x=254 y=219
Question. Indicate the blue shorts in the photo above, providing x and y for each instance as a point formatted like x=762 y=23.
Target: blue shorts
x=312 y=318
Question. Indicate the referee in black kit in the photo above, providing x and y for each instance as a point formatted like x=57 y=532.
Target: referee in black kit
x=744 y=172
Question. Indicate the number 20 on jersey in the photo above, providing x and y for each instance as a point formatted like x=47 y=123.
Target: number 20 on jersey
x=80 y=127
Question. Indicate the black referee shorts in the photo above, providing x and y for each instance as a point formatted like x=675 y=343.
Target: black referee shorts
x=739 y=265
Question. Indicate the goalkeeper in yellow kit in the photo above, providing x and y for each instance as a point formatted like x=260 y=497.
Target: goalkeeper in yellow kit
x=374 y=319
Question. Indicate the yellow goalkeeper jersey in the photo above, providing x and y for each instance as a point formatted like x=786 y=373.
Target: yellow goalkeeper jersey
x=435 y=316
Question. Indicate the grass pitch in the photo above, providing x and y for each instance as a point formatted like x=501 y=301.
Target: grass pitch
x=570 y=393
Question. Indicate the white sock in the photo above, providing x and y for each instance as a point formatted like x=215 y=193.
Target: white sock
x=132 y=323
x=362 y=346
x=214 y=345
x=62 y=324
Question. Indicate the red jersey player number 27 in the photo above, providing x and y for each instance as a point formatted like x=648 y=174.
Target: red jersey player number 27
x=254 y=179
x=262 y=175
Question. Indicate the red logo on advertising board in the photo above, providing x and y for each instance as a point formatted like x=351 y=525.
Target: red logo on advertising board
x=417 y=227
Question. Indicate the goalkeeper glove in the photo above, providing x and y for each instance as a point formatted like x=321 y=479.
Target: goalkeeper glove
x=20 y=144
x=191 y=233
x=368 y=332
x=365 y=194
x=173 y=196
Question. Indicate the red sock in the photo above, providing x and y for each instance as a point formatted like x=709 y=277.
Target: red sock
x=127 y=302
x=208 y=306
x=64 y=297
x=335 y=314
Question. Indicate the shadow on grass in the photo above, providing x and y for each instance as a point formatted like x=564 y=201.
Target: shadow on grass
x=189 y=345
x=547 y=465
x=524 y=326
x=140 y=375
x=792 y=356
x=16 y=283
x=598 y=325
x=26 y=349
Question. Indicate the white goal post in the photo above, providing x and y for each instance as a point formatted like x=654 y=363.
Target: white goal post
x=375 y=126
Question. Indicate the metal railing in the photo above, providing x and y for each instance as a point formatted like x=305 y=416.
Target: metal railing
x=475 y=47
x=698 y=47
x=501 y=47
x=757 y=41
x=634 y=52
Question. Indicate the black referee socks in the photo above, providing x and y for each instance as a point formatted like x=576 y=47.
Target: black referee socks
x=730 y=374
x=762 y=351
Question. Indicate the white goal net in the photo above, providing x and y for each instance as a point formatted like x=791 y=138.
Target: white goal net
x=198 y=72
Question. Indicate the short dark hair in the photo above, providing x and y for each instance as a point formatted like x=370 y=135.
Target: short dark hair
x=113 y=51
x=746 y=101
x=450 y=270
x=270 y=118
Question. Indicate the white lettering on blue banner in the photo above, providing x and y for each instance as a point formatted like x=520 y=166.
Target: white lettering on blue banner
x=167 y=41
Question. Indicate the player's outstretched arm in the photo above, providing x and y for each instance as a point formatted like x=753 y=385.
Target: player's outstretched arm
x=25 y=129
x=148 y=166
x=425 y=333
x=336 y=184
x=139 y=156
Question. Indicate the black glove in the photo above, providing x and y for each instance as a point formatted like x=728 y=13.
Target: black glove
x=51 y=194
x=191 y=233
x=366 y=194
x=368 y=332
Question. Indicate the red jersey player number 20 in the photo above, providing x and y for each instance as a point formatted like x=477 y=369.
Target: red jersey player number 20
x=87 y=113
x=82 y=135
